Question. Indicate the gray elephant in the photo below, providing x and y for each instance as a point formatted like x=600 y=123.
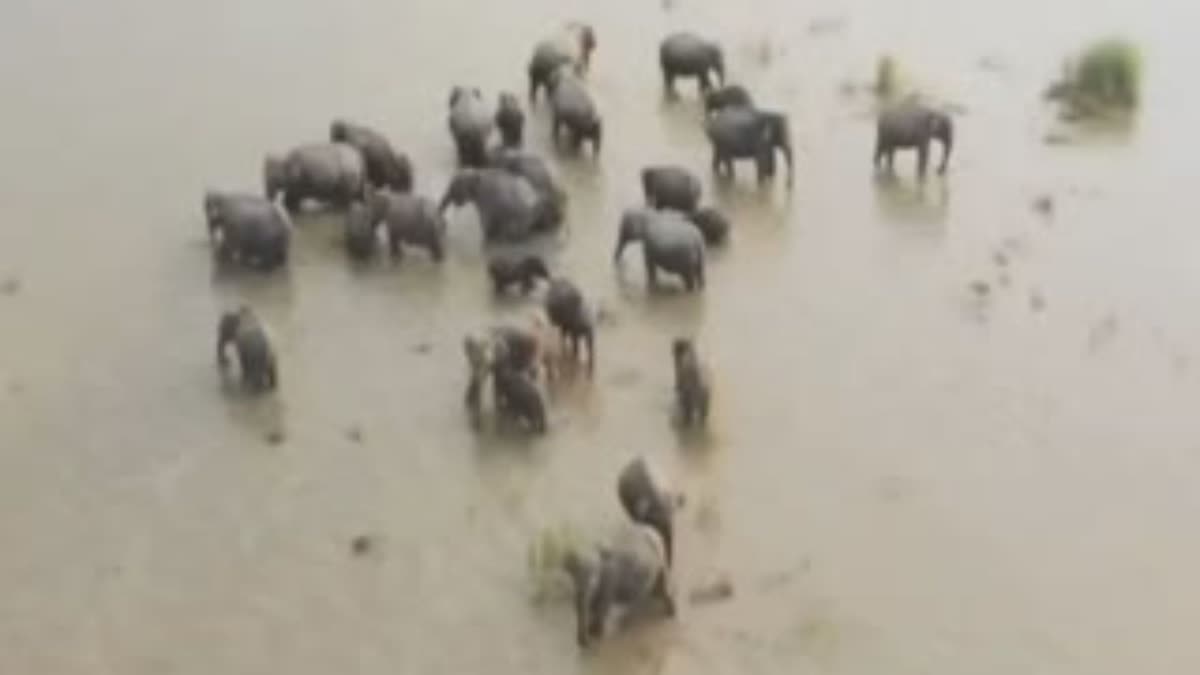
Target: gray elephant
x=692 y=390
x=517 y=396
x=471 y=123
x=510 y=120
x=535 y=170
x=574 y=319
x=523 y=273
x=255 y=356
x=573 y=47
x=738 y=133
x=331 y=173
x=622 y=574
x=386 y=168
x=410 y=219
x=361 y=232
x=689 y=55
x=669 y=242
x=913 y=125
x=513 y=347
x=727 y=96
x=647 y=499
x=713 y=224
x=510 y=208
x=574 y=111
x=671 y=187
x=247 y=228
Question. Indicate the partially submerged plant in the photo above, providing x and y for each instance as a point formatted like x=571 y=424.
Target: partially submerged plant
x=1105 y=79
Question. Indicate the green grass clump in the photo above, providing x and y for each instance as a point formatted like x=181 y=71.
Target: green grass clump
x=1105 y=78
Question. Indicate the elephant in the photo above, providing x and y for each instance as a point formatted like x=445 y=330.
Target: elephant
x=689 y=55
x=624 y=573
x=571 y=315
x=410 y=219
x=692 y=390
x=524 y=272
x=510 y=120
x=248 y=228
x=572 y=47
x=332 y=173
x=517 y=396
x=669 y=241
x=749 y=133
x=471 y=121
x=913 y=125
x=360 y=234
x=519 y=349
x=535 y=170
x=255 y=356
x=574 y=111
x=386 y=168
x=671 y=187
x=510 y=207
x=727 y=96
x=648 y=501
x=713 y=224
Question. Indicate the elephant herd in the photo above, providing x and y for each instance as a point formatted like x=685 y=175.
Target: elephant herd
x=518 y=198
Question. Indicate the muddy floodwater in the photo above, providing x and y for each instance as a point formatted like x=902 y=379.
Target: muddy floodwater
x=952 y=433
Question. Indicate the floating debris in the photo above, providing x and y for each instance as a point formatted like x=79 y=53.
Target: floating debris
x=354 y=434
x=1103 y=332
x=980 y=288
x=362 y=545
x=276 y=437
x=827 y=25
x=1044 y=204
x=422 y=348
x=718 y=590
x=1057 y=138
x=10 y=286
x=1000 y=258
x=1037 y=302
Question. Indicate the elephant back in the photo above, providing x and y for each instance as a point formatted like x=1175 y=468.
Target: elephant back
x=638 y=558
x=681 y=48
x=470 y=114
x=734 y=128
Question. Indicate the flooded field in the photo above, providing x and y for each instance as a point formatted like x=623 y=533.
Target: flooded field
x=952 y=433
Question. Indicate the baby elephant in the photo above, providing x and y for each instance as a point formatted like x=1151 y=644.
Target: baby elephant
x=728 y=96
x=671 y=187
x=517 y=396
x=255 y=356
x=525 y=272
x=692 y=390
x=412 y=220
x=574 y=319
x=713 y=224
x=510 y=120
x=647 y=500
x=623 y=574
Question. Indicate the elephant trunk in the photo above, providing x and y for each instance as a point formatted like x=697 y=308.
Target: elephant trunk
x=273 y=177
x=622 y=240
x=719 y=65
x=946 y=136
x=632 y=227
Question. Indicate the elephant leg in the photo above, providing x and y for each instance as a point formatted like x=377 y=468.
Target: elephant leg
x=716 y=162
x=705 y=83
x=662 y=592
x=651 y=270
x=700 y=281
x=436 y=251
x=668 y=82
x=533 y=87
x=291 y=201
x=922 y=158
x=880 y=151
x=555 y=129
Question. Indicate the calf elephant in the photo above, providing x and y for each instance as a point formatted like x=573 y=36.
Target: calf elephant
x=255 y=356
x=515 y=348
x=689 y=55
x=510 y=120
x=471 y=123
x=510 y=208
x=739 y=133
x=574 y=319
x=410 y=219
x=331 y=173
x=622 y=574
x=692 y=390
x=912 y=126
x=248 y=229
x=386 y=168
x=572 y=47
x=574 y=111
x=713 y=224
x=728 y=96
x=517 y=397
x=647 y=500
x=524 y=273
x=671 y=187
x=669 y=242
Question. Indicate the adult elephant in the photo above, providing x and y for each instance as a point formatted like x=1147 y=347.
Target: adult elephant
x=647 y=499
x=471 y=123
x=386 y=167
x=671 y=187
x=331 y=173
x=670 y=242
x=686 y=54
x=510 y=208
x=539 y=174
x=741 y=132
x=912 y=126
x=572 y=46
x=410 y=219
x=255 y=356
x=247 y=228
x=574 y=111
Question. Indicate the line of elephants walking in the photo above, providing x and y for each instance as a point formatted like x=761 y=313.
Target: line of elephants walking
x=518 y=199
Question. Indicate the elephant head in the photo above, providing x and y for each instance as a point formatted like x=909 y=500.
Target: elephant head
x=776 y=134
x=212 y=210
x=339 y=132
x=227 y=331
x=462 y=188
x=587 y=42
x=274 y=176
x=633 y=229
x=941 y=127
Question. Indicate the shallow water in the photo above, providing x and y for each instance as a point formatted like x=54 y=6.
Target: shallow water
x=901 y=476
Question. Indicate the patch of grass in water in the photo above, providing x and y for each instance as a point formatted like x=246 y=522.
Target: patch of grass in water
x=1103 y=82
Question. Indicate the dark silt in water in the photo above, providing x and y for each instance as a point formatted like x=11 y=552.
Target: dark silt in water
x=901 y=476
